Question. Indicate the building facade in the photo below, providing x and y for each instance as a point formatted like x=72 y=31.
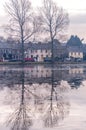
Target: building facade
x=9 y=51
x=73 y=49
x=39 y=51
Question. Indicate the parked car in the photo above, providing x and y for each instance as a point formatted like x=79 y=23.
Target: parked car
x=47 y=59
x=1 y=60
x=29 y=59
x=67 y=59
x=58 y=59
x=78 y=59
x=15 y=60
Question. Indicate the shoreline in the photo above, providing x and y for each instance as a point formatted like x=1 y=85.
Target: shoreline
x=39 y=63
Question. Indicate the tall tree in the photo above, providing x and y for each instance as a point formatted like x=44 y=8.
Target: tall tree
x=53 y=19
x=22 y=24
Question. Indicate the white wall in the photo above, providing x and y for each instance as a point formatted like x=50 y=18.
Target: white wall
x=76 y=54
x=41 y=54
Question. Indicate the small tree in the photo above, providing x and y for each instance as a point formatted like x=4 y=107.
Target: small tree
x=53 y=19
x=22 y=24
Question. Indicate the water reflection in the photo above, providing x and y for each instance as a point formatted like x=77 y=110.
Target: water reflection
x=21 y=119
x=57 y=107
x=37 y=93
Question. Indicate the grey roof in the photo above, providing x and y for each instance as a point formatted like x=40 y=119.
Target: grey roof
x=75 y=49
x=5 y=45
x=30 y=45
x=42 y=46
x=38 y=46
x=74 y=41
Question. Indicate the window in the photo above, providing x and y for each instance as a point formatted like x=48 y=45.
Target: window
x=35 y=51
x=36 y=55
x=46 y=51
x=79 y=53
x=41 y=55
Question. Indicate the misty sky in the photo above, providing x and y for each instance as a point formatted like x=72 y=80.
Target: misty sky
x=75 y=8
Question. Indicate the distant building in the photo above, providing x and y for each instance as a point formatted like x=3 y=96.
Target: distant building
x=38 y=51
x=74 y=41
x=41 y=50
x=9 y=51
x=75 y=52
x=75 y=47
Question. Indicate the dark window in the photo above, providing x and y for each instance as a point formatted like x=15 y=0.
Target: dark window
x=46 y=51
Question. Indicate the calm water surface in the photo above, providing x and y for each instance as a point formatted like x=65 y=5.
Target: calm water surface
x=43 y=97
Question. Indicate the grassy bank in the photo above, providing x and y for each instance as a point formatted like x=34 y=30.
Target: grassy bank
x=38 y=63
x=20 y=63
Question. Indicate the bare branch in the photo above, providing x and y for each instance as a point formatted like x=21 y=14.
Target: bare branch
x=53 y=19
x=21 y=20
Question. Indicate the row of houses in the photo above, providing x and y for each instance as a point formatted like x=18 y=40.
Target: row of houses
x=74 y=48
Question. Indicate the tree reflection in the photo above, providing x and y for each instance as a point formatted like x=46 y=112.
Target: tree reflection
x=45 y=99
x=57 y=107
x=21 y=119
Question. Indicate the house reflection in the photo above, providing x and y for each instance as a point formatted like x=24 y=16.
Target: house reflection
x=76 y=70
x=39 y=74
x=77 y=76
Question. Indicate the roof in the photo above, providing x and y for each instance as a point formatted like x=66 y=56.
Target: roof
x=74 y=41
x=32 y=46
x=5 y=45
x=42 y=46
x=75 y=49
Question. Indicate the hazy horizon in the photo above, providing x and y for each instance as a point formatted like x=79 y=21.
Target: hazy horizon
x=76 y=10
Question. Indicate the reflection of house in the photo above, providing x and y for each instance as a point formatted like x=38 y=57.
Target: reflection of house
x=76 y=71
x=38 y=72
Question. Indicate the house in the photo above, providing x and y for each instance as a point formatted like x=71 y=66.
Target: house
x=9 y=51
x=38 y=51
x=41 y=50
x=75 y=52
x=75 y=47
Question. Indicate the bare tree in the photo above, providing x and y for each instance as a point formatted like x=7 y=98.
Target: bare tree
x=53 y=19
x=22 y=21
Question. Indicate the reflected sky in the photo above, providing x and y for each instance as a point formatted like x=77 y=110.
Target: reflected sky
x=42 y=97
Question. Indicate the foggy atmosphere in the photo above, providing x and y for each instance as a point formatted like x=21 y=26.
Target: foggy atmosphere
x=42 y=65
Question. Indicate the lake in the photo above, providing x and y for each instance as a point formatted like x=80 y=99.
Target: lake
x=43 y=97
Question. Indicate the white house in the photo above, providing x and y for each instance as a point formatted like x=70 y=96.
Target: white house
x=75 y=52
x=41 y=50
x=38 y=51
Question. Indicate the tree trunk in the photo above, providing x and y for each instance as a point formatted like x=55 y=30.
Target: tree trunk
x=22 y=45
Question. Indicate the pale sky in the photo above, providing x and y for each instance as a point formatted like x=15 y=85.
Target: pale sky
x=75 y=8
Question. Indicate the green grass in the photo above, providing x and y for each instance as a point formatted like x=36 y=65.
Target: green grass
x=38 y=63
